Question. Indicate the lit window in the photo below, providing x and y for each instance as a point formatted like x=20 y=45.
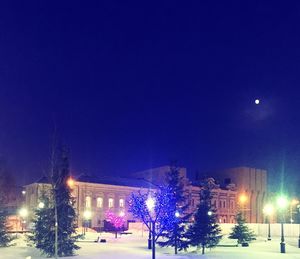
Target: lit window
x=88 y=202
x=110 y=203
x=121 y=203
x=99 y=202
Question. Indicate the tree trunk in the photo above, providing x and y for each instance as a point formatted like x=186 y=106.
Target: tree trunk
x=56 y=228
x=203 y=248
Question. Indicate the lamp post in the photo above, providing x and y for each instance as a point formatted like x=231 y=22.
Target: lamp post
x=150 y=203
x=282 y=203
x=87 y=214
x=294 y=202
x=23 y=214
x=177 y=215
x=268 y=211
x=298 y=207
x=243 y=199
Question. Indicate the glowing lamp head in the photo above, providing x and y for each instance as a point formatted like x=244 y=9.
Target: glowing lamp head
x=122 y=214
x=41 y=205
x=268 y=210
x=209 y=213
x=243 y=198
x=87 y=214
x=177 y=214
x=257 y=101
x=282 y=202
x=150 y=203
x=23 y=212
x=71 y=182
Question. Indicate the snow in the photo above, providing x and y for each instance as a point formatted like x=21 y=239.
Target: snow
x=134 y=247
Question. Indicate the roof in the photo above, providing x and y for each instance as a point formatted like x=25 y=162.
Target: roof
x=121 y=181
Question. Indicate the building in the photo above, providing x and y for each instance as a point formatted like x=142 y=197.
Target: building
x=251 y=184
x=100 y=194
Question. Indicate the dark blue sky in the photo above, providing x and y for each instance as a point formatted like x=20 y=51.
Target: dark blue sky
x=133 y=86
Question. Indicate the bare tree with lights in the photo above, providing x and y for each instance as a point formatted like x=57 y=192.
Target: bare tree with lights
x=117 y=221
x=152 y=208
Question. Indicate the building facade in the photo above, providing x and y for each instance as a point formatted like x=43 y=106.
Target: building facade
x=251 y=186
x=99 y=195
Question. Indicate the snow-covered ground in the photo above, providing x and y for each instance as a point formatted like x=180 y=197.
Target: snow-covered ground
x=134 y=247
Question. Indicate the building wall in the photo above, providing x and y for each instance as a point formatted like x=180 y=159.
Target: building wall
x=86 y=196
x=250 y=182
x=224 y=201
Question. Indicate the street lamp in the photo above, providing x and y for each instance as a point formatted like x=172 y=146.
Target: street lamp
x=298 y=207
x=150 y=203
x=243 y=199
x=282 y=204
x=177 y=215
x=294 y=202
x=87 y=214
x=70 y=182
x=268 y=211
x=23 y=212
x=41 y=205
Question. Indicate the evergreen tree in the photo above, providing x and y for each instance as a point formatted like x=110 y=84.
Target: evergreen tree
x=204 y=231
x=240 y=231
x=55 y=223
x=175 y=235
x=5 y=187
x=5 y=237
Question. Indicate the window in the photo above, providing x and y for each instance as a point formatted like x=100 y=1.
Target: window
x=99 y=202
x=110 y=203
x=88 y=202
x=121 y=203
x=224 y=204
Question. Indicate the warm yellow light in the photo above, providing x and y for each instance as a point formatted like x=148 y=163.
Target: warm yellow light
x=71 y=182
x=122 y=214
x=243 y=198
x=87 y=214
x=23 y=212
x=294 y=202
x=268 y=209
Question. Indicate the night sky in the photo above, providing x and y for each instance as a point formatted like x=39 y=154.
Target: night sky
x=130 y=86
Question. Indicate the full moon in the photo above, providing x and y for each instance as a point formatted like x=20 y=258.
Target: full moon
x=257 y=101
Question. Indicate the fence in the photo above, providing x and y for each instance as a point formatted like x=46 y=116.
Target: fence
x=290 y=230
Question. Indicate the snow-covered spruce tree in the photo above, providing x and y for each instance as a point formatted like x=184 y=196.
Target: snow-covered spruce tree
x=240 y=231
x=55 y=224
x=5 y=237
x=175 y=235
x=5 y=186
x=204 y=231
